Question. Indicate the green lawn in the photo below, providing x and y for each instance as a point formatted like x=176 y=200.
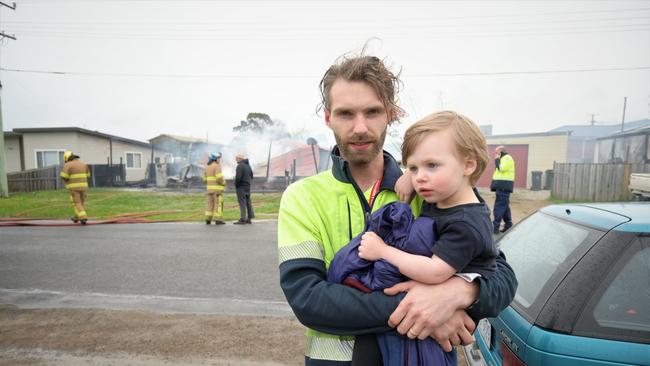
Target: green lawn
x=113 y=203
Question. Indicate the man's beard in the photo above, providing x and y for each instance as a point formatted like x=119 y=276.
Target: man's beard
x=361 y=157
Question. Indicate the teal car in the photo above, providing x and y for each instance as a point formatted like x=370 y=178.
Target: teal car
x=584 y=290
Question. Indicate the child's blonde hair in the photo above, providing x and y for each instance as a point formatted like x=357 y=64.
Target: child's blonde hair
x=468 y=138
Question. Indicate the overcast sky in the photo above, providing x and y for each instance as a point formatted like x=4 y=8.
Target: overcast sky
x=141 y=68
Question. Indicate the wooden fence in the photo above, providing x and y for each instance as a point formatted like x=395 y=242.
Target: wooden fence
x=43 y=179
x=48 y=179
x=594 y=182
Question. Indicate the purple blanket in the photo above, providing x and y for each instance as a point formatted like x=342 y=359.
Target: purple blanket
x=395 y=224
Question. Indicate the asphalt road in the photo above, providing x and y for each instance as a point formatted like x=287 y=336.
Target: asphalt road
x=178 y=267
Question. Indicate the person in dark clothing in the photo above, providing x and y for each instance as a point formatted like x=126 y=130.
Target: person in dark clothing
x=243 y=179
x=503 y=182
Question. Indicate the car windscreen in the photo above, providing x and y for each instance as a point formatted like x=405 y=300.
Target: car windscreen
x=541 y=250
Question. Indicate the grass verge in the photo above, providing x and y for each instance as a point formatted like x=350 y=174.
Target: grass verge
x=103 y=203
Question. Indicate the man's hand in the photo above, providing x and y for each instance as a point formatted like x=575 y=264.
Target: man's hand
x=456 y=331
x=497 y=152
x=404 y=188
x=371 y=247
x=431 y=311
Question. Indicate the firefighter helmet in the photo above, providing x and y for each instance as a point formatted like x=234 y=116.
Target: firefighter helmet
x=66 y=156
x=215 y=156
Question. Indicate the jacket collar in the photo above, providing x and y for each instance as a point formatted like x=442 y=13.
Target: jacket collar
x=341 y=170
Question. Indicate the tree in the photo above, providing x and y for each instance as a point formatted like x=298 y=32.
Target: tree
x=255 y=122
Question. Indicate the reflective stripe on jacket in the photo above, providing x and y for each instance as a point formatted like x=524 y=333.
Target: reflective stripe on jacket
x=75 y=174
x=214 y=178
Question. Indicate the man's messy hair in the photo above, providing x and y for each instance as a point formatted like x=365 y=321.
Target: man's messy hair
x=370 y=70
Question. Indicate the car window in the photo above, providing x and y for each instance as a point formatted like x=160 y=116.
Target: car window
x=625 y=301
x=541 y=250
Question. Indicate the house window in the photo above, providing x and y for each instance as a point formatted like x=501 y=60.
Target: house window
x=49 y=157
x=134 y=160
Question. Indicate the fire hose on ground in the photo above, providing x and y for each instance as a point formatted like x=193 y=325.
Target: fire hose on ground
x=125 y=218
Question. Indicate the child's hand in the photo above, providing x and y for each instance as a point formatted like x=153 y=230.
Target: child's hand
x=371 y=247
x=404 y=188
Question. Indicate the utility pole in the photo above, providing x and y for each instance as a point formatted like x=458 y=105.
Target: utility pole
x=623 y=118
x=4 y=188
x=593 y=119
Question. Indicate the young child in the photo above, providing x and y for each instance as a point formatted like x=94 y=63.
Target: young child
x=445 y=154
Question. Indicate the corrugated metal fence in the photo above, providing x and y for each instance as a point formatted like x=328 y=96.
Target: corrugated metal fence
x=594 y=182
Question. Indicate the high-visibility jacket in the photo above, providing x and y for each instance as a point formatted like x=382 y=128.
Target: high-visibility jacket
x=503 y=178
x=75 y=173
x=214 y=178
x=317 y=217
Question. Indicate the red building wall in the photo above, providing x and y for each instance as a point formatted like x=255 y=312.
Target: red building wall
x=304 y=162
x=519 y=153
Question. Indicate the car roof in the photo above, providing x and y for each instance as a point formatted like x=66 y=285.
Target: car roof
x=619 y=216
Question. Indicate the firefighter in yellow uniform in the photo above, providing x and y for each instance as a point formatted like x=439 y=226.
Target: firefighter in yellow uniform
x=75 y=174
x=215 y=185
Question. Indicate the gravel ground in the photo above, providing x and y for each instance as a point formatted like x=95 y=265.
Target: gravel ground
x=111 y=337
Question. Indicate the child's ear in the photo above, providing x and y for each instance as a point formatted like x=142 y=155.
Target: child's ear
x=470 y=165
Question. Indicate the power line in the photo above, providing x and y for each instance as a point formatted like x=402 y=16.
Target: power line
x=235 y=76
x=532 y=72
x=340 y=20
x=293 y=33
x=217 y=26
x=331 y=37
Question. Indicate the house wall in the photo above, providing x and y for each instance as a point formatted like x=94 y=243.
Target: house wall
x=92 y=150
x=12 y=154
x=581 y=151
x=543 y=150
x=36 y=141
x=634 y=148
x=120 y=149
x=519 y=153
x=304 y=162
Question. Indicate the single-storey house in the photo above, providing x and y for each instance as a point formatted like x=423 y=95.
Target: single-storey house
x=31 y=148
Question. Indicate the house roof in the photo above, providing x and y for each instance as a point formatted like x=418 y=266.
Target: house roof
x=182 y=139
x=80 y=130
x=632 y=132
x=534 y=134
x=601 y=130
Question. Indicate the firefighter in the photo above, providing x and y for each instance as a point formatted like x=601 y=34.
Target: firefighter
x=215 y=184
x=75 y=175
